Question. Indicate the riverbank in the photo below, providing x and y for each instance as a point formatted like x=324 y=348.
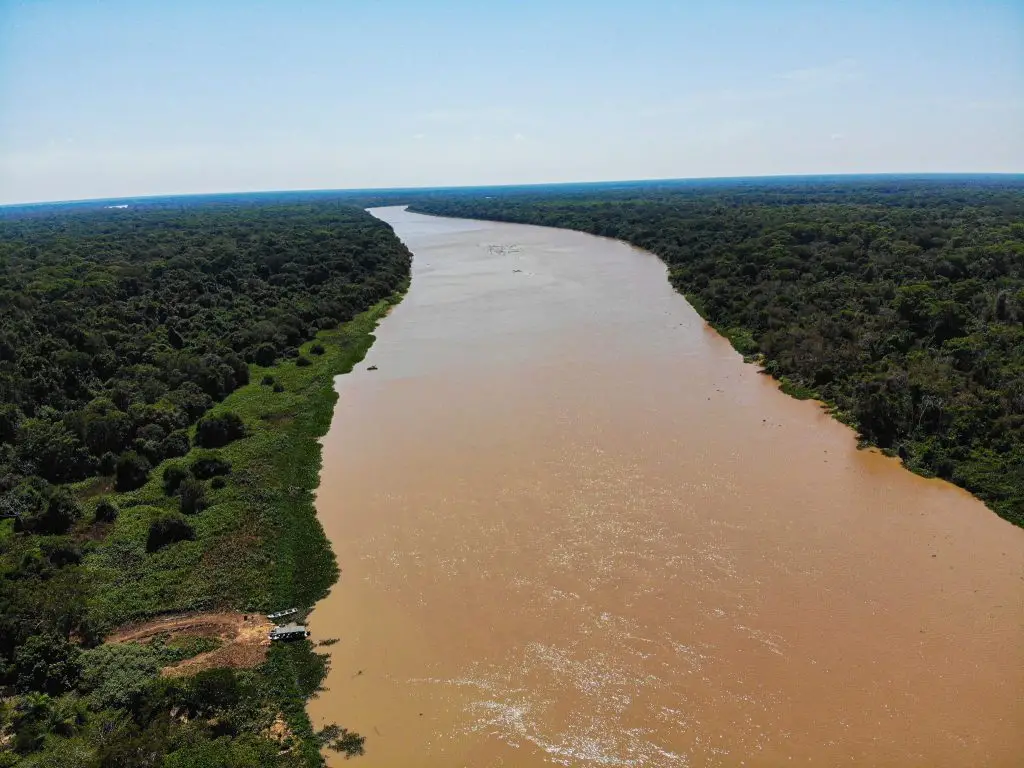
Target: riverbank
x=258 y=545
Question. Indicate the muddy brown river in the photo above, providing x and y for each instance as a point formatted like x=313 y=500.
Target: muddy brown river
x=576 y=529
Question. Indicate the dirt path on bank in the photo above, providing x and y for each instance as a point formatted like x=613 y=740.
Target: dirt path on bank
x=244 y=636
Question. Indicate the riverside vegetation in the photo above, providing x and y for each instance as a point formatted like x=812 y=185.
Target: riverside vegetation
x=165 y=372
x=897 y=301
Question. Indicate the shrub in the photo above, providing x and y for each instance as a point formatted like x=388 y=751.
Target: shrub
x=61 y=552
x=303 y=362
x=193 y=497
x=217 y=483
x=108 y=463
x=239 y=750
x=153 y=433
x=59 y=514
x=148 y=449
x=267 y=380
x=106 y=511
x=212 y=690
x=210 y=466
x=131 y=471
x=116 y=674
x=219 y=430
x=317 y=349
x=279 y=387
x=264 y=354
x=168 y=528
x=175 y=444
x=10 y=418
x=191 y=399
x=46 y=663
x=342 y=740
x=174 y=476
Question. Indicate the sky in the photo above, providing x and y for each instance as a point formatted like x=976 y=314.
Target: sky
x=107 y=99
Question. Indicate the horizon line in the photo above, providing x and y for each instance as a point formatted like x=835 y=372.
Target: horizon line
x=455 y=187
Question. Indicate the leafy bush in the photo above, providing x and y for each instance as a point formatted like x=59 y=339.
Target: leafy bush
x=303 y=362
x=60 y=512
x=267 y=380
x=226 y=752
x=168 y=528
x=131 y=472
x=264 y=355
x=342 y=740
x=115 y=675
x=174 y=476
x=183 y=647
x=220 y=429
x=106 y=511
x=210 y=466
x=317 y=349
x=47 y=448
x=193 y=497
x=10 y=418
x=175 y=444
x=108 y=463
x=22 y=503
x=46 y=663
x=213 y=689
x=279 y=387
x=60 y=552
x=217 y=483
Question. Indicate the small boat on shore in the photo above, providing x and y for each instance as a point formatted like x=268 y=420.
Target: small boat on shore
x=282 y=614
x=289 y=632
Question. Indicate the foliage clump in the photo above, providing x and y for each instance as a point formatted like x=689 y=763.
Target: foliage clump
x=219 y=429
x=168 y=528
x=174 y=476
x=192 y=497
x=106 y=511
x=206 y=467
x=132 y=471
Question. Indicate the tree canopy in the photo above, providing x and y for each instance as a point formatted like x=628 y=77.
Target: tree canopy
x=120 y=327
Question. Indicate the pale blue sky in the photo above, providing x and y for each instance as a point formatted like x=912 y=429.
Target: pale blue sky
x=107 y=98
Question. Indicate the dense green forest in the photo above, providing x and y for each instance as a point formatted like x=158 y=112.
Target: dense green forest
x=119 y=328
x=898 y=301
x=165 y=372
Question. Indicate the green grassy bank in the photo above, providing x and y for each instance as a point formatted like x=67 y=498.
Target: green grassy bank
x=258 y=543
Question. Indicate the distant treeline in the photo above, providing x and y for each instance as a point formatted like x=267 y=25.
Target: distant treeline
x=898 y=301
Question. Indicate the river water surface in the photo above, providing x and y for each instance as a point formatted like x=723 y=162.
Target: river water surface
x=576 y=529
